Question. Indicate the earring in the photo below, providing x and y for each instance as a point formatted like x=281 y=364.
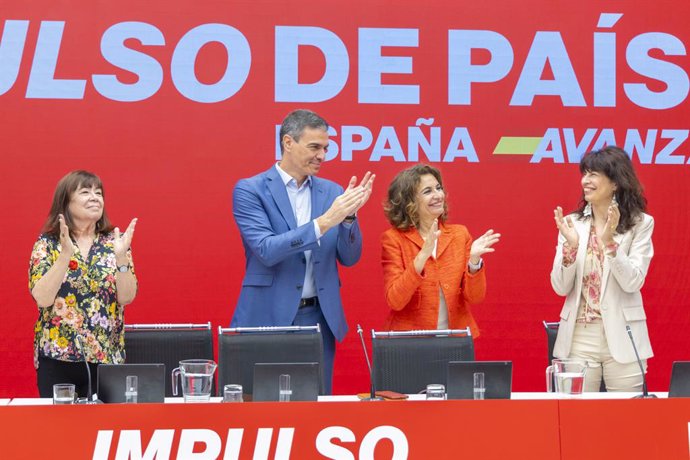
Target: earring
x=587 y=212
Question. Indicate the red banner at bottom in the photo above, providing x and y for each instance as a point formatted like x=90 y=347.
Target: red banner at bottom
x=534 y=429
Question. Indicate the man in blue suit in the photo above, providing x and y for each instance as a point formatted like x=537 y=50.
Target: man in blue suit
x=294 y=228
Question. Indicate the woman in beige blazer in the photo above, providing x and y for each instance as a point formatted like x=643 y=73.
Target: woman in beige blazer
x=603 y=254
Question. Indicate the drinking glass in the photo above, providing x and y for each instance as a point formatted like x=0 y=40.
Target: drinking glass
x=284 y=390
x=131 y=389
x=479 y=388
x=63 y=393
x=232 y=393
x=435 y=392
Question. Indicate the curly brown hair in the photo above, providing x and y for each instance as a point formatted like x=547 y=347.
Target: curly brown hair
x=615 y=164
x=400 y=207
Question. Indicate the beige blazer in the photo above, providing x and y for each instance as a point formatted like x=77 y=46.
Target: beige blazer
x=621 y=301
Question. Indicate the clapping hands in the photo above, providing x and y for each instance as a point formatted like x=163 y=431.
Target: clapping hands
x=348 y=203
x=482 y=245
x=66 y=243
x=122 y=242
x=566 y=227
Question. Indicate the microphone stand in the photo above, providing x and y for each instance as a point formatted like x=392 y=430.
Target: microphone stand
x=372 y=396
x=89 y=391
x=645 y=394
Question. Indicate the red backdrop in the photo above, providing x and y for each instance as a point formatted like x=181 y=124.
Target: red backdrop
x=169 y=143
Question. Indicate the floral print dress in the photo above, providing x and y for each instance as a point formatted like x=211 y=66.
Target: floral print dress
x=85 y=305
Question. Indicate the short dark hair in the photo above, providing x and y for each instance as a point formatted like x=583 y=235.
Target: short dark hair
x=400 y=207
x=615 y=163
x=294 y=123
x=72 y=182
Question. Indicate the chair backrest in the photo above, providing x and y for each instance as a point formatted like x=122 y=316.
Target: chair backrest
x=407 y=361
x=168 y=344
x=680 y=380
x=240 y=348
x=551 y=333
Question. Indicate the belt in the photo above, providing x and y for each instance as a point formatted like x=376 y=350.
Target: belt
x=308 y=302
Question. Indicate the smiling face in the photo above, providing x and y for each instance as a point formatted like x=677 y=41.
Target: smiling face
x=597 y=188
x=86 y=204
x=303 y=157
x=430 y=200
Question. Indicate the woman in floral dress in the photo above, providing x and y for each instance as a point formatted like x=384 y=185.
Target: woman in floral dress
x=81 y=276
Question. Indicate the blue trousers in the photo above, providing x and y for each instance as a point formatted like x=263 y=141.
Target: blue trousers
x=311 y=316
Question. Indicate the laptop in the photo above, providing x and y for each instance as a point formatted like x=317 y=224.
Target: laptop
x=304 y=381
x=680 y=380
x=112 y=378
x=498 y=379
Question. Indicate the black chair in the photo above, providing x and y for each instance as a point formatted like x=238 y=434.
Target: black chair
x=679 y=386
x=407 y=361
x=168 y=344
x=551 y=333
x=551 y=329
x=240 y=348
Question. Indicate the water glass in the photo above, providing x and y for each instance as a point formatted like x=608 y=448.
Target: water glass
x=479 y=388
x=284 y=390
x=63 y=393
x=232 y=393
x=435 y=392
x=131 y=389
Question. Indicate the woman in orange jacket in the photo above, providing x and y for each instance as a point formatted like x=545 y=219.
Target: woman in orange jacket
x=432 y=270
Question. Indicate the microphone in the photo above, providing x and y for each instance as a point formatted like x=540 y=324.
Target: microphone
x=89 y=392
x=645 y=394
x=372 y=396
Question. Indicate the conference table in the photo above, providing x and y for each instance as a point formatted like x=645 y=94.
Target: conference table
x=528 y=426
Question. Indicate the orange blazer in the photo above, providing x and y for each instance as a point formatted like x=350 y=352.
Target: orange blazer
x=414 y=299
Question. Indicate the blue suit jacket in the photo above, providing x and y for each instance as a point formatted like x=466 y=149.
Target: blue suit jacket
x=274 y=249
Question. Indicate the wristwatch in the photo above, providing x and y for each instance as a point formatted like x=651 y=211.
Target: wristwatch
x=123 y=268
